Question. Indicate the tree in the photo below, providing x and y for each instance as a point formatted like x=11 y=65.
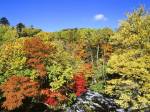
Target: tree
x=4 y=21
x=30 y=32
x=7 y=33
x=19 y=28
x=129 y=63
x=16 y=89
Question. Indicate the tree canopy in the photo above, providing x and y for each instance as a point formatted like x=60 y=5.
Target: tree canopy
x=4 y=21
x=54 y=68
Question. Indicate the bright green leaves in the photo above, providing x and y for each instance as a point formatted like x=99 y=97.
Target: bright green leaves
x=97 y=87
x=54 y=70
x=58 y=75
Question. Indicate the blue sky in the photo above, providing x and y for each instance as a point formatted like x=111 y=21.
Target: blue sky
x=54 y=15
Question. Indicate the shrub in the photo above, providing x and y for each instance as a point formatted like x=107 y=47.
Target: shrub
x=52 y=98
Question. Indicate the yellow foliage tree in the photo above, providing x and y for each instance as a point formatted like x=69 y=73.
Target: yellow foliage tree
x=130 y=62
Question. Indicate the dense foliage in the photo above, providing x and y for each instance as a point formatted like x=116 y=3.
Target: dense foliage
x=54 y=68
x=131 y=61
x=16 y=89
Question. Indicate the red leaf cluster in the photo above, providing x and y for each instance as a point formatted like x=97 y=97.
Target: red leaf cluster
x=52 y=97
x=16 y=89
x=51 y=101
x=80 y=83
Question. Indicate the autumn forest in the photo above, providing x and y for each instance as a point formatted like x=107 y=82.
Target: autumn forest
x=53 y=69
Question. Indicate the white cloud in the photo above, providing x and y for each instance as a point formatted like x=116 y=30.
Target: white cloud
x=100 y=17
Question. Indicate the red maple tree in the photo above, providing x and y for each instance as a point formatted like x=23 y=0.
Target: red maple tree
x=80 y=83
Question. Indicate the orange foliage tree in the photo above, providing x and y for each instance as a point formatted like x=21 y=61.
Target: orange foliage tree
x=36 y=52
x=16 y=89
x=107 y=50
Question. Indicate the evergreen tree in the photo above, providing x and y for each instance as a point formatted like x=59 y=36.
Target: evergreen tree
x=4 y=21
x=19 y=28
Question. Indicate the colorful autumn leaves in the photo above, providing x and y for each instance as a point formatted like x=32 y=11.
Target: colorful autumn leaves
x=36 y=52
x=52 y=98
x=80 y=83
x=18 y=87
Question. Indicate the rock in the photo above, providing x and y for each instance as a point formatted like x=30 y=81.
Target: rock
x=94 y=102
